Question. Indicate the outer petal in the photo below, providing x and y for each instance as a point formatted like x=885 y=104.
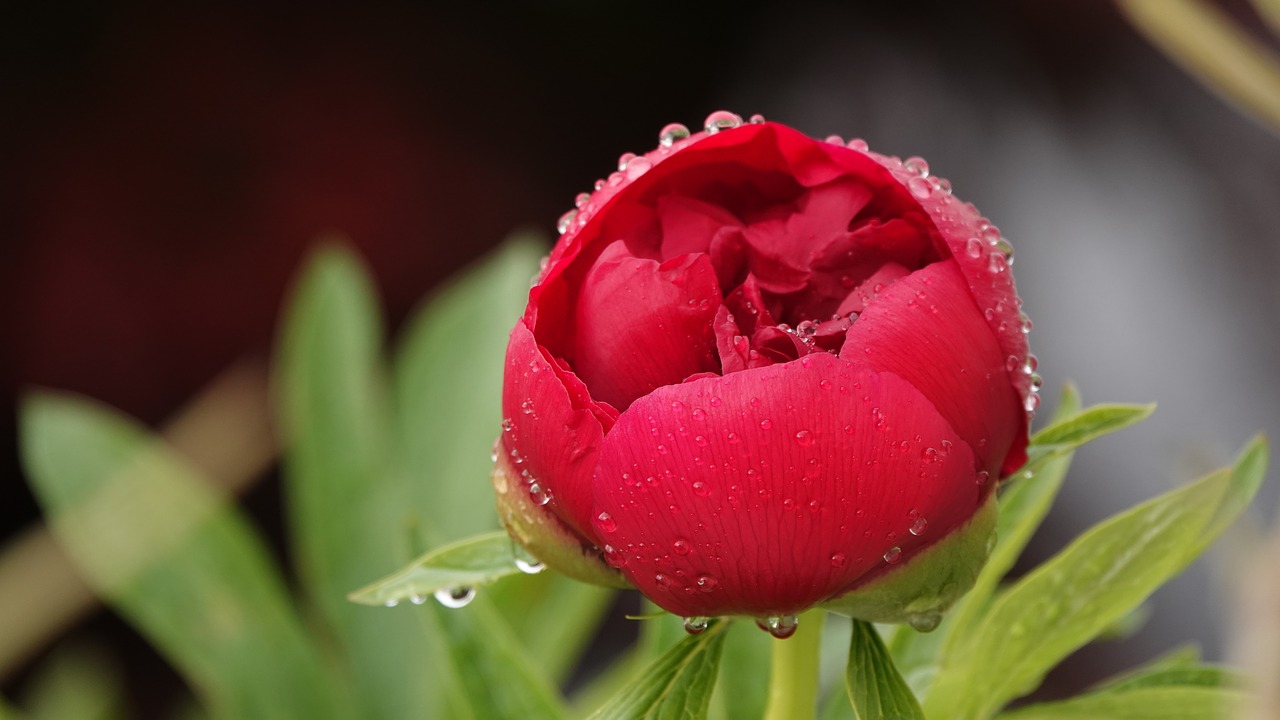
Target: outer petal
x=768 y=490
x=549 y=436
x=641 y=325
x=927 y=329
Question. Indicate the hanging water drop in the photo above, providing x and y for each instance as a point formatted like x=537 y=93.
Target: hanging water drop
x=924 y=622
x=455 y=597
x=391 y=603
x=696 y=624
x=529 y=567
x=721 y=120
x=417 y=599
x=672 y=133
x=779 y=626
x=893 y=555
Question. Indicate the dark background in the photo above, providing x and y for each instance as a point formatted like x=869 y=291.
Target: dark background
x=163 y=170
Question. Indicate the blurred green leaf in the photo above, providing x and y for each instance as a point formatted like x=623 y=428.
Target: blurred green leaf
x=495 y=676
x=876 y=690
x=168 y=552
x=677 y=686
x=448 y=389
x=75 y=682
x=554 y=617
x=1247 y=474
x=1153 y=703
x=349 y=506
x=1068 y=600
x=464 y=564
x=743 y=684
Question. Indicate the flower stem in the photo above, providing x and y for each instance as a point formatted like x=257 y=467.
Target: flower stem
x=793 y=677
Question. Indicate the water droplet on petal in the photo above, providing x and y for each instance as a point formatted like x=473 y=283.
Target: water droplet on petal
x=804 y=438
x=696 y=624
x=766 y=424
x=997 y=263
x=893 y=555
x=721 y=120
x=706 y=583
x=681 y=546
x=581 y=199
x=624 y=160
x=1032 y=402
x=671 y=133
x=605 y=523
x=982 y=477
x=700 y=489
x=566 y=221
x=455 y=597
x=839 y=560
x=916 y=166
x=756 y=119
x=614 y=556
x=919 y=526
x=973 y=247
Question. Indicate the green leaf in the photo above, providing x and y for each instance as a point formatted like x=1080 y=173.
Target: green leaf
x=1189 y=676
x=1092 y=423
x=78 y=682
x=1066 y=602
x=1247 y=474
x=876 y=690
x=467 y=563
x=349 y=505
x=160 y=544
x=1153 y=703
x=554 y=617
x=742 y=687
x=448 y=389
x=677 y=686
x=489 y=667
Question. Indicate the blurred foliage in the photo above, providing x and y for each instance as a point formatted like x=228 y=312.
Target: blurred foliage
x=385 y=462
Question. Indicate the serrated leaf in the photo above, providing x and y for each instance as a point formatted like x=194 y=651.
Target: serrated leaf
x=467 y=563
x=677 y=686
x=349 y=506
x=1066 y=602
x=169 y=552
x=1155 y=703
x=448 y=389
x=876 y=690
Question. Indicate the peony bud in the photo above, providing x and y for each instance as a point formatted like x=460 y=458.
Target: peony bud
x=761 y=372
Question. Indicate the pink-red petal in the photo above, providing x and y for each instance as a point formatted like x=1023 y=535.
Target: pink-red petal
x=766 y=491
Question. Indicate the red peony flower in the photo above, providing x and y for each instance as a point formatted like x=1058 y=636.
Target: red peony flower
x=761 y=372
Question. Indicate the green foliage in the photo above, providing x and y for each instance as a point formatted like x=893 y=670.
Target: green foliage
x=677 y=686
x=385 y=462
x=876 y=690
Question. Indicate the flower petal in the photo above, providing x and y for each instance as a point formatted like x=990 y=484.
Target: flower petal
x=641 y=325
x=926 y=328
x=768 y=490
x=550 y=434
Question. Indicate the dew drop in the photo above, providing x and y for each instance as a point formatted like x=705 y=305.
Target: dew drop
x=566 y=221
x=732 y=438
x=700 y=440
x=839 y=560
x=813 y=468
x=663 y=580
x=529 y=567
x=700 y=489
x=924 y=622
x=624 y=160
x=766 y=424
x=706 y=583
x=696 y=624
x=997 y=263
x=455 y=597
x=804 y=438
x=920 y=187
x=605 y=523
x=982 y=477
x=418 y=599
x=973 y=247
x=391 y=603
x=672 y=133
x=721 y=120
x=916 y=166
x=893 y=555
x=919 y=526
x=756 y=119
x=540 y=495
x=930 y=455
x=507 y=425
x=614 y=556
x=581 y=199
x=779 y=626
x=681 y=546
x=1032 y=402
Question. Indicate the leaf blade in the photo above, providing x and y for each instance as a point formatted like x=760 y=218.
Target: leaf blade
x=876 y=690
x=677 y=685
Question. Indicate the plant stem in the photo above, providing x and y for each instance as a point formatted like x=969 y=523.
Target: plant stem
x=793 y=677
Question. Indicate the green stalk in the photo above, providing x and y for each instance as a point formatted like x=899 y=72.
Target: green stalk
x=793 y=677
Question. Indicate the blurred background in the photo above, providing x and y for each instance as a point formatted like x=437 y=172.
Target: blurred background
x=164 y=169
